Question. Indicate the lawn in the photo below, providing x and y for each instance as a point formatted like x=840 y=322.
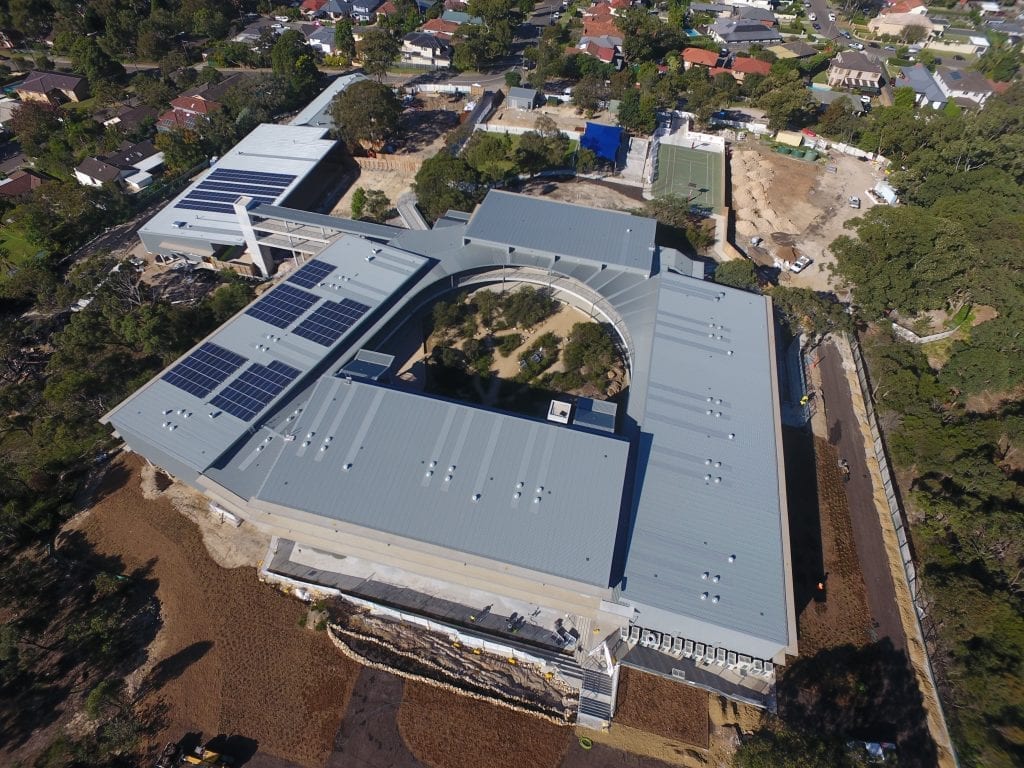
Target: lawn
x=17 y=245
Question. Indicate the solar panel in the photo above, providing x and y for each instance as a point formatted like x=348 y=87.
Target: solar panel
x=222 y=197
x=256 y=177
x=254 y=388
x=199 y=205
x=330 y=320
x=199 y=373
x=241 y=189
x=311 y=273
x=281 y=306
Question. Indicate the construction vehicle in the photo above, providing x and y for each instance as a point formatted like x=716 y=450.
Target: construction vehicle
x=174 y=756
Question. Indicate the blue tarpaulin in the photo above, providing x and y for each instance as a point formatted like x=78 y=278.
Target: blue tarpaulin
x=602 y=140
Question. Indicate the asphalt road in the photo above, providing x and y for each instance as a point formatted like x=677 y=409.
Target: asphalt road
x=844 y=433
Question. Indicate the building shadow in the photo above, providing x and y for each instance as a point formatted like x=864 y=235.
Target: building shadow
x=804 y=515
x=867 y=693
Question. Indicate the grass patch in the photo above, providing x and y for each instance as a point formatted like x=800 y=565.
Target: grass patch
x=17 y=244
x=821 y=77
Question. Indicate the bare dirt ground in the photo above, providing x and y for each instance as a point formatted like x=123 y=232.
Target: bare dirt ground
x=790 y=202
x=423 y=130
x=564 y=115
x=230 y=657
x=446 y=731
x=663 y=707
x=614 y=197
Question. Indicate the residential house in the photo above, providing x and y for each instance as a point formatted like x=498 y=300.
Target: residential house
x=752 y=13
x=602 y=28
x=20 y=184
x=461 y=17
x=897 y=24
x=7 y=109
x=197 y=103
x=926 y=91
x=1014 y=30
x=52 y=87
x=966 y=87
x=254 y=33
x=825 y=98
x=738 y=31
x=420 y=49
x=765 y=4
x=904 y=6
x=440 y=27
x=365 y=10
x=524 y=98
x=387 y=8
x=455 y=5
x=794 y=50
x=312 y=9
x=603 y=48
x=322 y=39
x=711 y=9
x=127 y=119
x=336 y=10
x=855 y=71
x=742 y=66
x=132 y=166
x=699 y=57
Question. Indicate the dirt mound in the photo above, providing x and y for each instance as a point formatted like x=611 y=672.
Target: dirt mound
x=231 y=656
x=663 y=707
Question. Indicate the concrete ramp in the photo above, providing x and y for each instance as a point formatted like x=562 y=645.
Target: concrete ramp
x=410 y=213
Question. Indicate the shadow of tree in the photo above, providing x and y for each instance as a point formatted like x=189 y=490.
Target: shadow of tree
x=867 y=692
x=174 y=665
x=89 y=619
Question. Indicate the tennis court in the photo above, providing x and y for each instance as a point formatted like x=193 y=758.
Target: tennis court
x=692 y=174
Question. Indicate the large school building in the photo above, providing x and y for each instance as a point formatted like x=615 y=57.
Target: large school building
x=655 y=530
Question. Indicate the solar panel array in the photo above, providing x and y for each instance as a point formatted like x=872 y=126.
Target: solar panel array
x=204 y=369
x=330 y=320
x=253 y=389
x=282 y=306
x=218 y=191
x=311 y=273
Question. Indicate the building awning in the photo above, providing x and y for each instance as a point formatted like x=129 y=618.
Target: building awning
x=602 y=140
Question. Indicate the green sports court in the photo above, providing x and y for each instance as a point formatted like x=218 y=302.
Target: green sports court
x=691 y=173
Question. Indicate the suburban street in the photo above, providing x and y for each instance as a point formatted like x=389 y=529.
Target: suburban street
x=844 y=433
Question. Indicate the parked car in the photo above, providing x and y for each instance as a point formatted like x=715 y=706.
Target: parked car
x=800 y=264
x=855 y=202
x=857 y=46
x=831 y=17
x=816 y=25
x=847 y=35
x=812 y=16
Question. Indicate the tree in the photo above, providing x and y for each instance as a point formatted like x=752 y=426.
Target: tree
x=513 y=79
x=785 y=100
x=34 y=123
x=739 y=273
x=839 y=121
x=677 y=213
x=587 y=95
x=90 y=60
x=780 y=747
x=445 y=182
x=586 y=160
x=293 y=60
x=366 y=113
x=913 y=34
x=378 y=206
x=807 y=312
x=344 y=42
x=489 y=154
x=904 y=98
x=358 y=203
x=637 y=113
x=379 y=51
x=183 y=149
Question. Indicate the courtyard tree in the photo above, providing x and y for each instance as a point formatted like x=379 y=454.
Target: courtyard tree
x=446 y=182
x=367 y=114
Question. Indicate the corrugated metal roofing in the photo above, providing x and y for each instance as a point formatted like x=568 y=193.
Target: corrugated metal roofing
x=373 y=447
x=709 y=502
x=564 y=230
x=198 y=439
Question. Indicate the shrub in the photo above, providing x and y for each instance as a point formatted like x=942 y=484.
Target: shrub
x=510 y=344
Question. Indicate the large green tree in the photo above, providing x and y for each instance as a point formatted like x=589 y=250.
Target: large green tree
x=379 y=51
x=446 y=182
x=293 y=60
x=366 y=113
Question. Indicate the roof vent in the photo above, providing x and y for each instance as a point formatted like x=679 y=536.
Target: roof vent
x=732 y=558
x=703 y=595
x=476 y=497
x=447 y=478
x=517 y=495
x=704 y=576
x=715 y=599
x=717 y=578
x=347 y=467
x=429 y=473
x=536 y=499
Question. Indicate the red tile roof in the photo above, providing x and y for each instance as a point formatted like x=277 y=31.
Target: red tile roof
x=20 y=183
x=387 y=9
x=607 y=55
x=313 y=5
x=750 y=66
x=700 y=56
x=195 y=105
x=903 y=6
x=440 y=27
x=598 y=11
x=719 y=71
x=600 y=28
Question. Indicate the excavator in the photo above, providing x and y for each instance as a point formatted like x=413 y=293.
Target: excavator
x=174 y=756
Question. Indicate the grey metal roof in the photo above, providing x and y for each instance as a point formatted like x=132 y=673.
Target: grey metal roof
x=522 y=93
x=388 y=438
x=710 y=483
x=198 y=440
x=366 y=229
x=564 y=230
x=920 y=79
x=288 y=149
